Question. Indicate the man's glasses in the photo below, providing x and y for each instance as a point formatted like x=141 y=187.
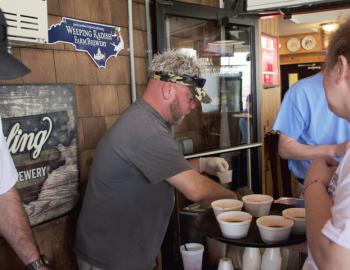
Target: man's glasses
x=194 y=81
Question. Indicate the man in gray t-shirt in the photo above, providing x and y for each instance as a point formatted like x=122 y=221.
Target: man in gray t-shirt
x=130 y=193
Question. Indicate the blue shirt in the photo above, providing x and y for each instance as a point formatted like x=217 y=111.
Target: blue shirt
x=305 y=117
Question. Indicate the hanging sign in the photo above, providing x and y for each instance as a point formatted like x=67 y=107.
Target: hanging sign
x=100 y=41
x=39 y=124
x=270 y=68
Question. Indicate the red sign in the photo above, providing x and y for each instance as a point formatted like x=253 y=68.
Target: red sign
x=269 y=60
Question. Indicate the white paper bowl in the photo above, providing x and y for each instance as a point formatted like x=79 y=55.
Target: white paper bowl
x=274 y=229
x=298 y=215
x=257 y=204
x=234 y=230
x=224 y=205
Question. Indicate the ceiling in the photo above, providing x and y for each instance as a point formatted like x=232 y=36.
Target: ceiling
x=305 y=23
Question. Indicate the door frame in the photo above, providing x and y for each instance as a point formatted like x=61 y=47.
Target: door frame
x=224 y=17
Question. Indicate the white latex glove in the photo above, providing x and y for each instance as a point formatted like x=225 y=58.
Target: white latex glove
x=212 y=165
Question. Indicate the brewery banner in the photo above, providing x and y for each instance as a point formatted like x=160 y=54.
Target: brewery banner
x=39 y=124
x=99 y=41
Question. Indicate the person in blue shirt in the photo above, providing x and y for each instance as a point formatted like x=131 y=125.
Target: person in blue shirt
x=308 y=129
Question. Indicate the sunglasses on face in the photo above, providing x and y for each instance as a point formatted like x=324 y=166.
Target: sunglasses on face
x=194 y=81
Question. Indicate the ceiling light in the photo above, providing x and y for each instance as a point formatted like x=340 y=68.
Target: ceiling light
x=327 y=30
x=329 y=27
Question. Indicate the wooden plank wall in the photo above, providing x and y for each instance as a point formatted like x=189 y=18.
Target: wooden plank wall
x=270 y=103
x=101 y=95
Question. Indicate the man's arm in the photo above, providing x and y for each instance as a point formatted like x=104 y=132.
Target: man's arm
x=15 y=228
x=326 y=253
x=289 y=148
x=194 y=163
x=197 y=187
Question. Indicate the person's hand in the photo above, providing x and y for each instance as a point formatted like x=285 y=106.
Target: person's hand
x=212 y=165
x=340 y=149
x=321 y=169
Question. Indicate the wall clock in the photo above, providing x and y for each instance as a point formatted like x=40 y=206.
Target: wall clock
x=308 y=42
x=293 y=44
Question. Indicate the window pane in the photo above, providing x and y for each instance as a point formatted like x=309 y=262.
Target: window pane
x=224 y=55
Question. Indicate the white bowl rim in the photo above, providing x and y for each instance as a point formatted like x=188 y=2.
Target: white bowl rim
x=248 y=220
x=239 y=203
x=269 y=199
x=285 y=213
x=289 y=221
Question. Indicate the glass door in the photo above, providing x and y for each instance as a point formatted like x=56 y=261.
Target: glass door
x=228 y=127
x=225 y=48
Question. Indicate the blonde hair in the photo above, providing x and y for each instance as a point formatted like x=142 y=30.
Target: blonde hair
x=174 y=62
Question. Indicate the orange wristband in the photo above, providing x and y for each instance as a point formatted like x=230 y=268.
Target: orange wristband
x=312 y=182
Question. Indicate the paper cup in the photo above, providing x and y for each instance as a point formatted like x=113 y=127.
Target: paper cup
x=192 y=257
x=225 y=177
x=225 y=264
x=234 y=224
x=257 y=204
x=298 y=215
x=274 y=229
x=224 y=205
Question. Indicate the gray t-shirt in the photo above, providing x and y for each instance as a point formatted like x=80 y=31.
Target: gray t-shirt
x=128 y=203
